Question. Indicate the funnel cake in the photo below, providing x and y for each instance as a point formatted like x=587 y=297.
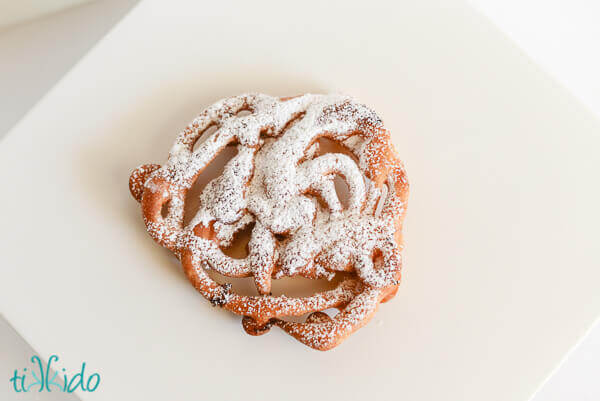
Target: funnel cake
x=281 y=183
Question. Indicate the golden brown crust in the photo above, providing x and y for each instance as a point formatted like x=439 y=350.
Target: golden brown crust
x=362 y=239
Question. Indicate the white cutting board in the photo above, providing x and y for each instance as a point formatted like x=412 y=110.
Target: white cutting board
x=501 y=274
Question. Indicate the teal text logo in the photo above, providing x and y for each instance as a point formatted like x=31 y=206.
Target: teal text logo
x=38 y=378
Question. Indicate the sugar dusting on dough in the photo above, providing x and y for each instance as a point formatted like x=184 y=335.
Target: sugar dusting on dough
x=279 y=181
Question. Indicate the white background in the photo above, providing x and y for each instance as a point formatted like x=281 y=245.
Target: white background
x=559 y=36
x=562 y=37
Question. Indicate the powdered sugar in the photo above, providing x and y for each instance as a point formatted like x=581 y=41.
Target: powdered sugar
x=266 y=182
x=276 y=180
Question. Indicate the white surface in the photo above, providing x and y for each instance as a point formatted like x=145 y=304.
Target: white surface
x=36 y=54
x=56 y=42
x=12 y=12
x=560 y=35
x=577 y=377
x=16 y=354
x=418 y=117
